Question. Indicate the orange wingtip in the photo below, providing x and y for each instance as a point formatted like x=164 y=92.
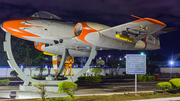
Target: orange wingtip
x=148 y=19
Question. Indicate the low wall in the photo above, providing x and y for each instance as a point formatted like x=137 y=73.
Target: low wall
x=5 y=72
x=170 y=70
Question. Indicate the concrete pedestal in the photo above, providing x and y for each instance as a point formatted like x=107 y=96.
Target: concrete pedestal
x=31 y=88
x=49 y=78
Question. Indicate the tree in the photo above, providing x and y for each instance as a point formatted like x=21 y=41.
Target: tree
x=3 y=59
x=93 y=62
x=41 y=90
x=77 y=62
x=100 y=62
x=151 y=68
x=25 y=53
x=82 y=61
x=156 y=58
x=112 y=63
x=178 y=59
x=40 y=69
x=14 y=73
x=30 y=69
x=67 y=87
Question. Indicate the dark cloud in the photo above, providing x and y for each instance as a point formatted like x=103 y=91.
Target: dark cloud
x=109 y=12
x=9 y=11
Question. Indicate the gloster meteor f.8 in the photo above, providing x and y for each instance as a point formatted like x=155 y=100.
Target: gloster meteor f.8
x=51 y=34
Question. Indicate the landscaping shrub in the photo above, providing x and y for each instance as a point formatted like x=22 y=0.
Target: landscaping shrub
x=151 y=78
x=140 y=78
x=4 y=82
x=175 y=83
x=97 y=71
x=146 y=78
x=96 y=79
x=67 y=87
x=164 y=86
x=81 y=78
x=92 y=79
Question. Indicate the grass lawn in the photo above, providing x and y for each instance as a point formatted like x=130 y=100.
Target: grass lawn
x=122 y=97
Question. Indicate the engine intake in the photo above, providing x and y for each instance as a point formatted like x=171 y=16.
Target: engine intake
x=78 y=30
x=82 y=29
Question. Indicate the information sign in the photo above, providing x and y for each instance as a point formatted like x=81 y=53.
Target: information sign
x=135 y=64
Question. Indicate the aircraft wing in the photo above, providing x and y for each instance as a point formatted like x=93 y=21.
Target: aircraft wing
x=135 y=30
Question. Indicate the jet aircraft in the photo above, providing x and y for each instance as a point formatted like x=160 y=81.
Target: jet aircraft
x=51 y=34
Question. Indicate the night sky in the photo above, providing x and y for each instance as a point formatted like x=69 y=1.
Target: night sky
x=108 y=12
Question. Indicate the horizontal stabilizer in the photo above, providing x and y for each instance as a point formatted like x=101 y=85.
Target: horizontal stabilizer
x=165 y=30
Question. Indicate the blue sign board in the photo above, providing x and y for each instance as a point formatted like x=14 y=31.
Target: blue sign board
x=135 y=64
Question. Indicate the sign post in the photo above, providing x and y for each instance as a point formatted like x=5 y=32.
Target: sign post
x=135 y=64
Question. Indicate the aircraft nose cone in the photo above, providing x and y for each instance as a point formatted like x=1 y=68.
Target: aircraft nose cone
x=1 y=25
x=12 y=25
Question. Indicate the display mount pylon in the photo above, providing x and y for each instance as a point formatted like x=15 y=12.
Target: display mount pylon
x=27 y=79
x=60 y=69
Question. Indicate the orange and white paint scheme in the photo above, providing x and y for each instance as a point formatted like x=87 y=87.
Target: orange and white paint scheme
x=55 y=61
x=51 y=34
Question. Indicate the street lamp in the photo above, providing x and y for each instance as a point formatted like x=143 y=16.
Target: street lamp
x=100 y=58
x=171 y=63
x=107 y=58
x=142 y=53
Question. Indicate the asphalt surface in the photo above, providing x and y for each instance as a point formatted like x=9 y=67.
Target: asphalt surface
x=91 y=89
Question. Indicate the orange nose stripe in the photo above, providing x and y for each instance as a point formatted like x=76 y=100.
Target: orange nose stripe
x=13 y=27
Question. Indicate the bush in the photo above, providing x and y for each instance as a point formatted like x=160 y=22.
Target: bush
x=151 y=78
x=164 y=86
x=97 y=71
x=146 y=78
x=67 y=87
x=4 y=82
x=175 y=83
x=92 y=79
x=96 y=79
x=140 y=78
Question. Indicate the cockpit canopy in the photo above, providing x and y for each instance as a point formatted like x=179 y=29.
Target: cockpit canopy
x=46 y=15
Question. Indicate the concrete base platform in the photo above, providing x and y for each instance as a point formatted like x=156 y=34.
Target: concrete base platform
x=31 y=88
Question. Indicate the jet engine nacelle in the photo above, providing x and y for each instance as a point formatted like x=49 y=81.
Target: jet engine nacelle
x=88 y=31
x=55 y=49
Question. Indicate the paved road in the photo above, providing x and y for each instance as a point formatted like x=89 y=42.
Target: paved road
x=85 y=89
